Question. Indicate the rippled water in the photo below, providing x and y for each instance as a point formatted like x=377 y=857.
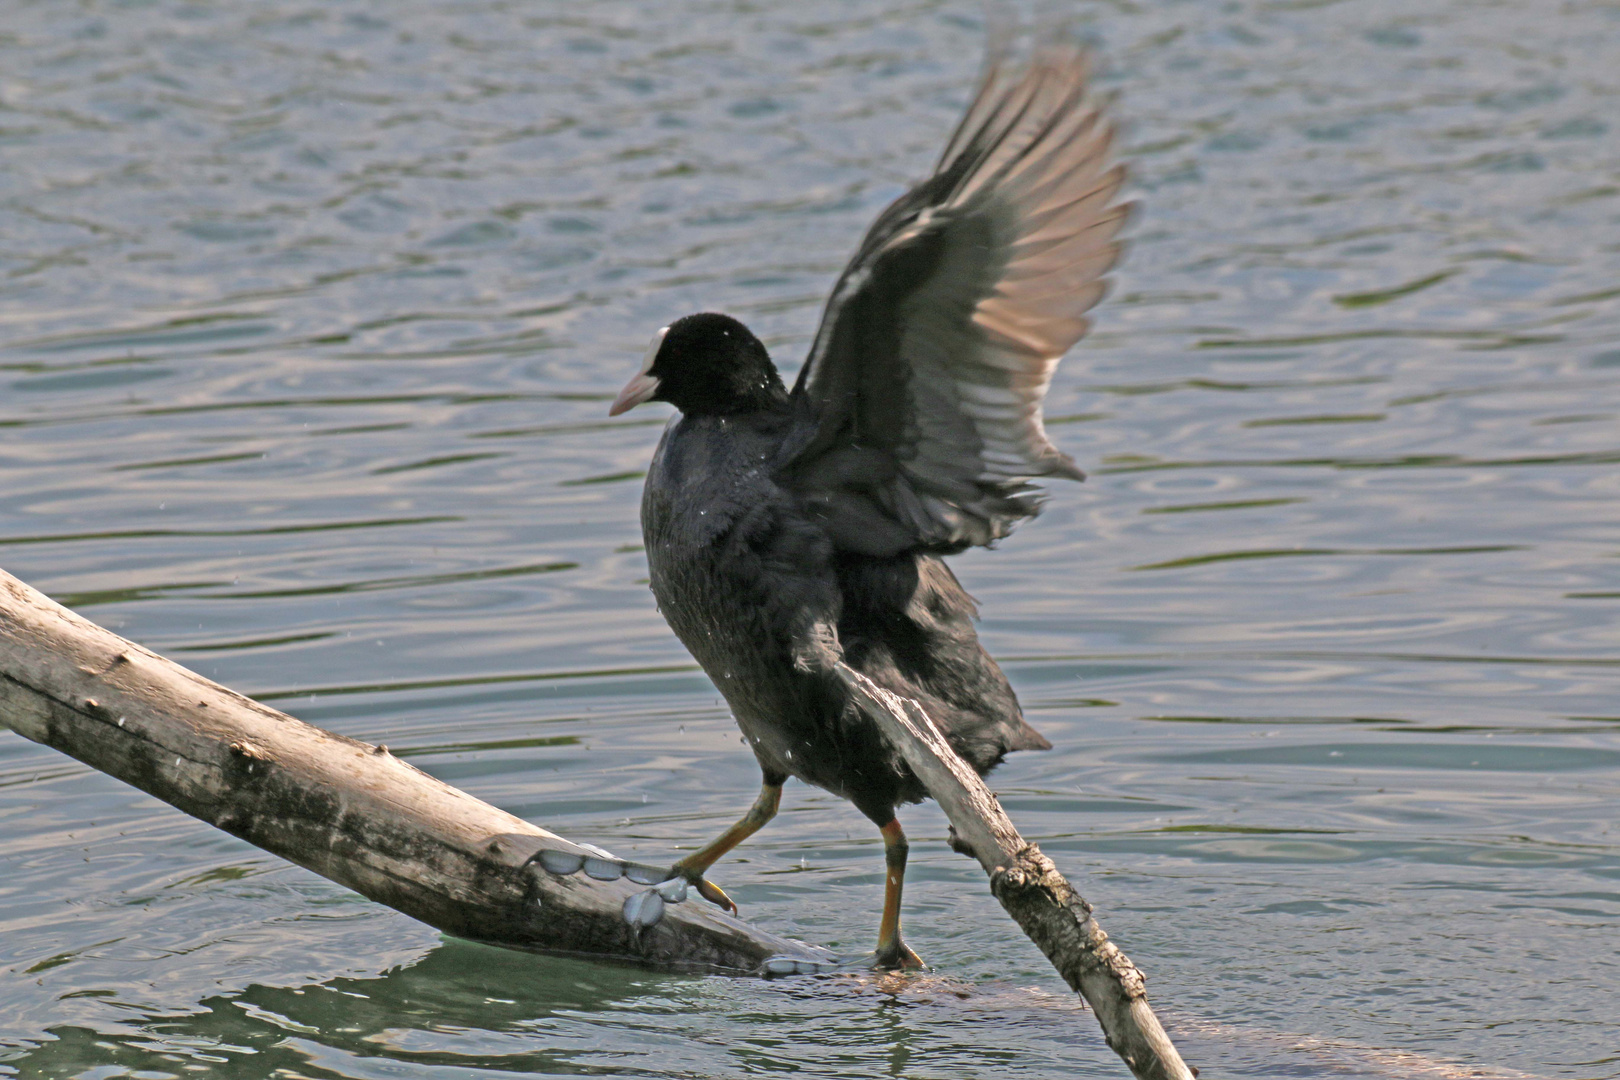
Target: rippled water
x=309 y=316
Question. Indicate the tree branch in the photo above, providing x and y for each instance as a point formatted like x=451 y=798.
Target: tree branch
x=1042 y=902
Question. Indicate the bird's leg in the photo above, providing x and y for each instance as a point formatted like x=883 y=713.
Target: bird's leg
x=892 y=953
x=695 y=865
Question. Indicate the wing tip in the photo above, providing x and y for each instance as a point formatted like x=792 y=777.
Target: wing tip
x=1063 y=465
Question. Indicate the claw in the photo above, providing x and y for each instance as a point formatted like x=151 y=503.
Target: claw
x=695 y=865
x=714 y=894
x=707 y=889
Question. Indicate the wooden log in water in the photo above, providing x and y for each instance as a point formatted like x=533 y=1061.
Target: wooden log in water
x=1043 y=903
x=350 y=811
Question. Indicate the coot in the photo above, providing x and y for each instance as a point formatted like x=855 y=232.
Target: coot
x=788 y=531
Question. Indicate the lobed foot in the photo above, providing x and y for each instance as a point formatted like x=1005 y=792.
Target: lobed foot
x=896 y=956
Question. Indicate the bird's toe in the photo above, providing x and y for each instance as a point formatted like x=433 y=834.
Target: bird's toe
x=896 y=956
x=707 y=889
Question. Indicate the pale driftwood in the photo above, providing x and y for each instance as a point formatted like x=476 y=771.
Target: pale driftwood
x=1042 y=902
x=347 y=810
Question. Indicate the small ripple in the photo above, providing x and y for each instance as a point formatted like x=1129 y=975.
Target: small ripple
x=569 y=429
x=263 y=530
x=1384 y=296
x=1495 y=757
x=406 y=582
x=176 y=463
x=95 y=598
x=1280 y=721
x=435 y=462
x=605 y=478
x=255 y=643
x=1493 y=338
x=1320 y=418
x=1578 y=418
x=1234 y=504
x=1281 y=553
x=1127 y=463
x=1050 y=667
x=90 y=378
x=207 y=329
x=487 y=745
x=1231 y=385
x=322 y=402
x=1078 y=418
x=412 y=685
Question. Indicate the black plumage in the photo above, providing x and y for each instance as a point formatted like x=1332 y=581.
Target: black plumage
x=789 y=532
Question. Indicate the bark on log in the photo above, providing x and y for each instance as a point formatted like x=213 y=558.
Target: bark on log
x=350 y=811
x=1043 y=903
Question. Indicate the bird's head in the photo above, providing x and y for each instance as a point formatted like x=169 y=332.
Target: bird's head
x=706 y=364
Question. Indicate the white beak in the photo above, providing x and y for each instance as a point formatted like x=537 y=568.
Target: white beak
x=643 y=386
x=635 y=391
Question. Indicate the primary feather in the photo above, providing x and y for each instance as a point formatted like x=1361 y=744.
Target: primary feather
x=920 y=405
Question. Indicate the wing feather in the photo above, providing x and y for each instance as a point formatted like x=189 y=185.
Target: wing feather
x=921 y=398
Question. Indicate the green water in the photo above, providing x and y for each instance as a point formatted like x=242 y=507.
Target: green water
x=309 y=319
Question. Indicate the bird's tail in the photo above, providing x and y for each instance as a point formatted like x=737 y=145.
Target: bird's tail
x=1024 y=737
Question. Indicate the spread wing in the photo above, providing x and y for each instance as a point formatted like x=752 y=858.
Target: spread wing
x=920 y=404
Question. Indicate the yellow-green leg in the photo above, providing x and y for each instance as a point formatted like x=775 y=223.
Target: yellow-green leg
x=695 y=865
x=892 y=952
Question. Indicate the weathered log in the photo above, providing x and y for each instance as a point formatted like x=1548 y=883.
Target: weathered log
x=350 y=811
x=1043 y=903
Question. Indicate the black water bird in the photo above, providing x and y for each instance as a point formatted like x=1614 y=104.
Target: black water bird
x=788 y=532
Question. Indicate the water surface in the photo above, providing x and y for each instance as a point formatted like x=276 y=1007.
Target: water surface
x=309 y=318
